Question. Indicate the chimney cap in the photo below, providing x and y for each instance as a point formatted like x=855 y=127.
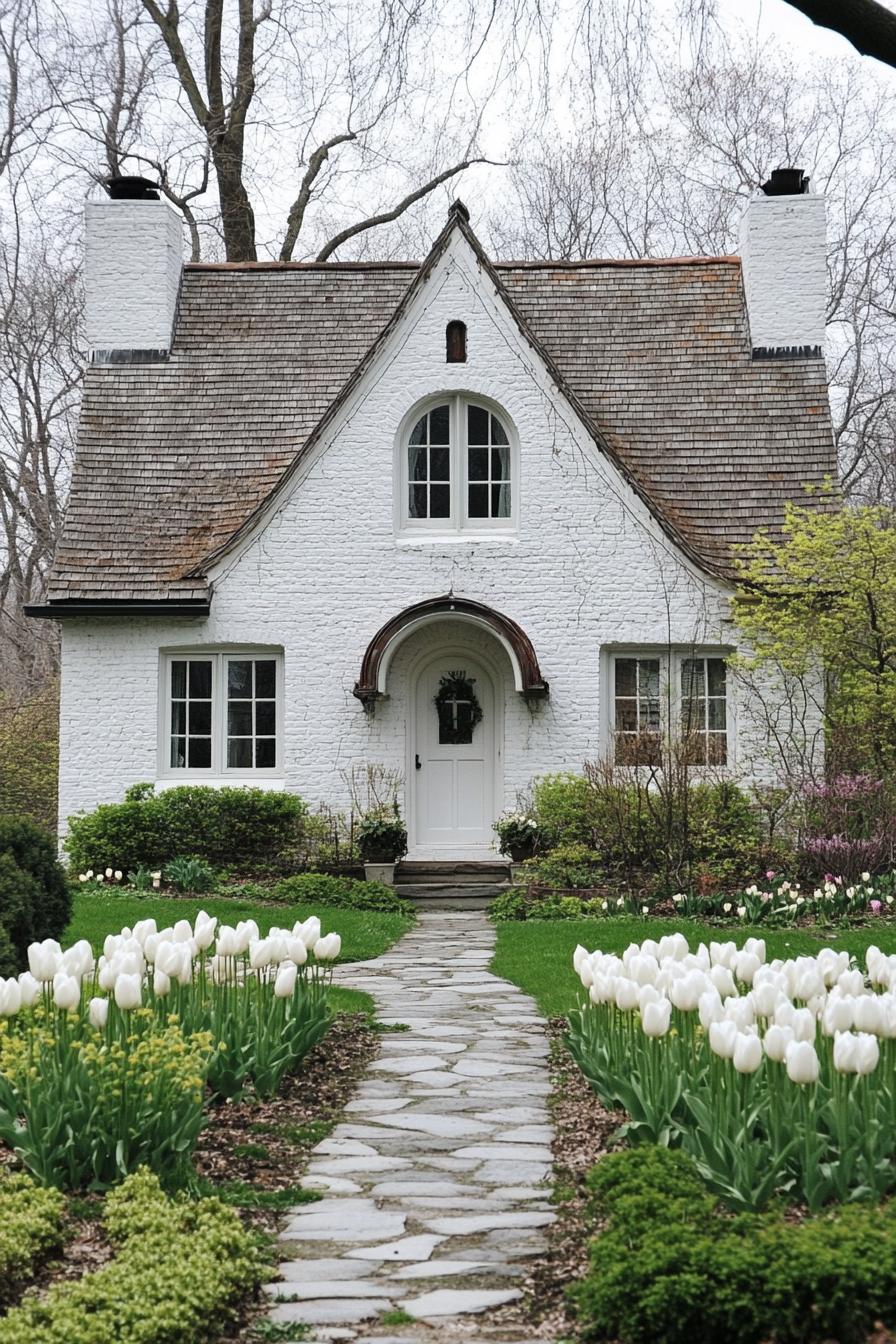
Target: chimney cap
x=786 y=182
x=131 y=188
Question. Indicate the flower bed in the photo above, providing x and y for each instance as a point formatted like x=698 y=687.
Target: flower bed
x=778 y=1078
x=105 y=1065
x=179 y=1269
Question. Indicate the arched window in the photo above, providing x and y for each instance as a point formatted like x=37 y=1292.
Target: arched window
x=456 y=343
x=457 y=469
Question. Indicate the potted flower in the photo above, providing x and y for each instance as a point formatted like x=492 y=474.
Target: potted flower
x=382 y=840
x=519 y=836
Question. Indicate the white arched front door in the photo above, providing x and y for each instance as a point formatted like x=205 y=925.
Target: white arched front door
x=454 y=759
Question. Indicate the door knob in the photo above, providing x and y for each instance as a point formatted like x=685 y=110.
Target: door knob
x=418 y=763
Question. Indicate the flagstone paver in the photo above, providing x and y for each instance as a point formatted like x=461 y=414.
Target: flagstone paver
x=436 y=1181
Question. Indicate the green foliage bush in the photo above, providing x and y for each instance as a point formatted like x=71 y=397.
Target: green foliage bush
x=567 y=865
x=669 y=1268
x=314 y=889
x=180 y=1270
x=35 y=900
x=515 y=904
x=225 y=827
x=663 y=837
x=29 y=756
x=30 y=1226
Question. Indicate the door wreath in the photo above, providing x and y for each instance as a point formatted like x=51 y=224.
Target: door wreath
x=458 y=708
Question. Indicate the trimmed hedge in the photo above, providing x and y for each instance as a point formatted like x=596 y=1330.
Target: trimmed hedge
x=228 y=827
x=181 y=1268
x=35 y=900
x=30 y=1226
x=669 y=1267
x=347 y=892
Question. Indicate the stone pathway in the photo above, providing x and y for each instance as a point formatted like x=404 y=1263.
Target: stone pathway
x=435 y=1185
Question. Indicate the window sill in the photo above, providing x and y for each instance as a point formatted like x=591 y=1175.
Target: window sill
x=414 y=540
x=237 y=780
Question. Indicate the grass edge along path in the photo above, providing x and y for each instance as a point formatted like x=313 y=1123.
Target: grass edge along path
x=536 y=955
x=365 y=934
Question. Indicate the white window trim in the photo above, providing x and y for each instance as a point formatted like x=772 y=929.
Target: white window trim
x=458 y=526
x=671 y=659
x=219 y=771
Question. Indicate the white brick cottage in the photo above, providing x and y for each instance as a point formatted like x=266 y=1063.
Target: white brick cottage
x=305 y=495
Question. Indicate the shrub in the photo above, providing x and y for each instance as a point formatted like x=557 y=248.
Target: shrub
x=568 y=865
x=180 y=1270
x=347 y=892
x=515 y=905
x=29 y=756
x=35 y=901
x=669 y=1267
x=30 y=1226
x=565 y=807
x=230 y=826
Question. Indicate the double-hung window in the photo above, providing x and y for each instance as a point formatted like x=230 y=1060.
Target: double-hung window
x=221 y=713
x=457 y=470
x=657 y=695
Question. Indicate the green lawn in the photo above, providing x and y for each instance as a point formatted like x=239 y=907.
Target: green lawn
x=365 y=934
x=537 y=955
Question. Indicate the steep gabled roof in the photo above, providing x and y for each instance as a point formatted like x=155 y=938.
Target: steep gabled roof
x=174 y=459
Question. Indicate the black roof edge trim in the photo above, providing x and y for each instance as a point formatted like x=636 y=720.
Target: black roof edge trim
x=58 y=611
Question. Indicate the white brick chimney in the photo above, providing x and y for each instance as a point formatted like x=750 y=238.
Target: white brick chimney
x=783 y=251
x=133 y=256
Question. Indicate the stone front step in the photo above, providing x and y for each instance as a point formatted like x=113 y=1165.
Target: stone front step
x=455 y=874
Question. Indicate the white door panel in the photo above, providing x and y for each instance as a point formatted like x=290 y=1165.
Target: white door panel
x=455 y=781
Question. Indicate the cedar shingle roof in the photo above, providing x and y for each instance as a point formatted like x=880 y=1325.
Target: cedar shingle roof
x=173 y=458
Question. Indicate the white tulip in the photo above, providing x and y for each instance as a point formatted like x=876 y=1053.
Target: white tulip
x=143 y=929
x=740 y=1012
x=723 y=954
x=205 y=930
x=686 y=992
x=784 y=1013
x=10 y=997
x=626 y=994
x=296 y=951
x=765 y=999
x=643 y=970
x=578 y=957
x=802 y=1062
x=747 y=1055
x=128 y=991
x=710 y=1009
x=867 y=1053
x=183 y=931
x=260 y=954
x=328 y=949
x=29 y=989
x=227 y=944
x=44 y=959
x=803 y=1024
x=775 y=1042
x=837 y=1015
x=66 y=991
x=809 y=983
x=851 y=982
x=745 y=966
x=723 y=1038
x=756 y=946
x=77 y=960
x=161 y=983
x=98 y=1012
x=648 y=994
x=168 y=958
x=285 y=983
x=656 y=1017
x=723 y=980
x=866 y=1012
x=586 y=975
x=309 y=932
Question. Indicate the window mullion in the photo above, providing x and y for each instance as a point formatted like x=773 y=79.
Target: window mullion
x=458 y=465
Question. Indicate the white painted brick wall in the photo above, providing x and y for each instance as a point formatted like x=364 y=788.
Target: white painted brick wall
x=589 y=568
x=133 y=255
x=782 y=243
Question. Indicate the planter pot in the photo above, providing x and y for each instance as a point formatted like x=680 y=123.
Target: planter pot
x=380 y=872
x=518 y=853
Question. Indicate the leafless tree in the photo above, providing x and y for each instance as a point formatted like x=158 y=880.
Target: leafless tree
x=663 y=163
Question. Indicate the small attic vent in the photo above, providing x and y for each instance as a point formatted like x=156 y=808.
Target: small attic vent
x=456 y=343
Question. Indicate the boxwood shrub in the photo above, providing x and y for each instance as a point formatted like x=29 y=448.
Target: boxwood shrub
x=35 y=900
x=230 y=827
x=30 y=1226
x=669 y=1267
x=315 y=889
x=180 y=1269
